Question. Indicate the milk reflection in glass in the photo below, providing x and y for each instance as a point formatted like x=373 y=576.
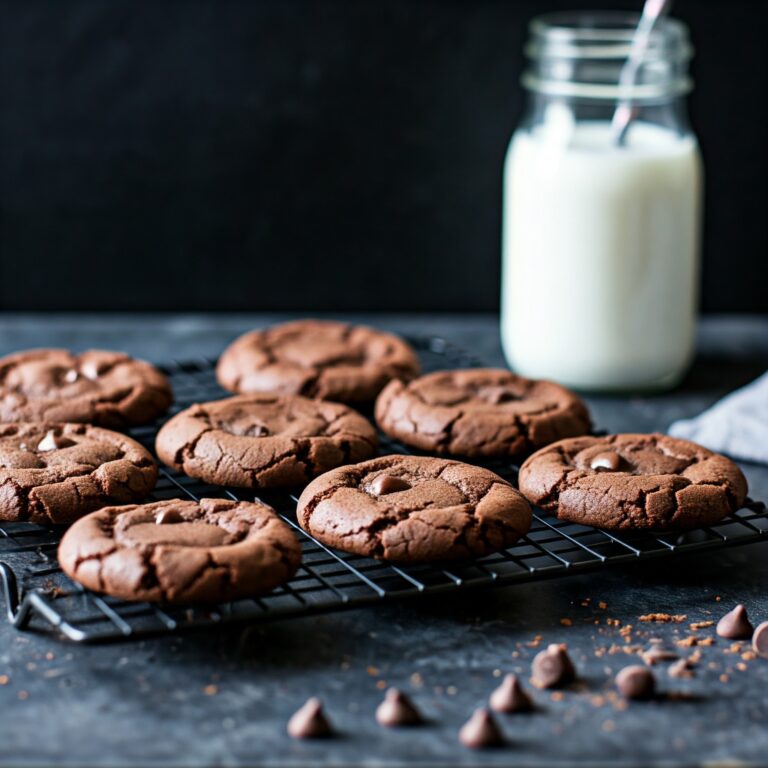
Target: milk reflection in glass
x=601 y=255
x=601 y=237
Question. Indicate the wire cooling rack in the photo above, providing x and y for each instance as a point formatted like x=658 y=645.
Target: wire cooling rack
x=40 y=597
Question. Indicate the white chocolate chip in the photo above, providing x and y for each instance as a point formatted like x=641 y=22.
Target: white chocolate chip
x=49 y=442
x=71 y=376
x=90 y=369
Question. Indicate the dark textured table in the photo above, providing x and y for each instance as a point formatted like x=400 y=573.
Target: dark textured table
x=222 y=697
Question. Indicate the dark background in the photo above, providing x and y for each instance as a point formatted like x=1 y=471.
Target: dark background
x=312 y=155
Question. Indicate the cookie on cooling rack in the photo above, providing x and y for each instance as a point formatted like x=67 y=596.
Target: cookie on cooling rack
x=55 y=473
x=317 y=358
x=622 y=482
x=108 y=389
x=479 y=412
x=264 y=440
x=414 y=509
x=178 y=551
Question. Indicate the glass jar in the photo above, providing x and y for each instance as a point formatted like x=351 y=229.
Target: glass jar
x=601 y=234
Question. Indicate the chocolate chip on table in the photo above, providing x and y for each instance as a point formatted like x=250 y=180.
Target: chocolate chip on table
x=636 y=682
x=481 y=731
x=169 y=517
x=760 y=640
x=607 y=461
x=552 y=667
x=735 y=625
x=385 y=484
x=310 y=722
x=397 y=709
x=510 y=697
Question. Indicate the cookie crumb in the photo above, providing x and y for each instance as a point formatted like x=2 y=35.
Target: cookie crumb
x=566 y=622
x=211 y=690
x=674 y=618
x=700 y=625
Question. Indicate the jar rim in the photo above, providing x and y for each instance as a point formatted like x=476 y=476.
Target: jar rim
x=603 y=35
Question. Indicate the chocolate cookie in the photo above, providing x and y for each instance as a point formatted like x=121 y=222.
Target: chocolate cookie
x=317 y=358
x=181 y=551
x=479 y=412
x=109 y=389
x=414 y=509
x=633 y=481
x=55 y=473
x=264 y=440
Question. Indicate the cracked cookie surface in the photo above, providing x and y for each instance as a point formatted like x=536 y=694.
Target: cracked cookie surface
x=109 y=389
x=413 y=509
x=56 y=473
x=317 y=358
x=264 y=440
x=628 y=481
x=180 y=551
x=479 y=412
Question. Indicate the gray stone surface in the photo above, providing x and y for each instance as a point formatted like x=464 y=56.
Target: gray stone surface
x=151 y=702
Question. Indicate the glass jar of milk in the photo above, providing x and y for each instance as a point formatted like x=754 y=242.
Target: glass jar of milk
x=601 y=231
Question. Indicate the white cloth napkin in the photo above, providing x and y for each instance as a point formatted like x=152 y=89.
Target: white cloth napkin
x=736 y=425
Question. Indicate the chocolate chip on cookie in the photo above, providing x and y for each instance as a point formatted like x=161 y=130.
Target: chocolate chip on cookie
x=448 y=510
x=317 y=358
x=479 y=412
x=219 y=550
x=55 y=473
x=264 y=440
x=633 y=482
x=109 y=389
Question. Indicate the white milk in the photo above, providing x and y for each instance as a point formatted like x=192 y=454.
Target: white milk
x=600 y=255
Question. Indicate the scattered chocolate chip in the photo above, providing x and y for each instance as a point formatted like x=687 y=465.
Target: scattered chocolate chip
x=636 y=682
x=511 y=697
x=397 y=709
x=552 y=667
x=607 y=461
x=481 y=731
x=385 y=484
x=656 y=654
x=169 y=517
x=71 y=376
x=52 y=441
x=760 y=640
x=681 y=668
x=310 y=722
x=735 y=625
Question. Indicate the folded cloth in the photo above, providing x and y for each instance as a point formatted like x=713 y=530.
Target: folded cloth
x=736 y=425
